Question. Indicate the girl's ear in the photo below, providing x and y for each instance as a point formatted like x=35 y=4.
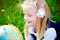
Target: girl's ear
x=41 y=8
x=41 y=13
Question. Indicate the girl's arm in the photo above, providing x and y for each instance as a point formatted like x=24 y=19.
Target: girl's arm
x=50 y=34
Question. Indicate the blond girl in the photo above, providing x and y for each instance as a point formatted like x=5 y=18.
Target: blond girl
x=36 y=13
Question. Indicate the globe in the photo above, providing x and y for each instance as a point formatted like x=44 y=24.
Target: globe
x=10 y=32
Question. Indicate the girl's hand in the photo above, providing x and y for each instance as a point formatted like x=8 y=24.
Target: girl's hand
x=31 y=30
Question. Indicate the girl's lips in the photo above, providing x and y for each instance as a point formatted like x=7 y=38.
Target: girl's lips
x=29 y=22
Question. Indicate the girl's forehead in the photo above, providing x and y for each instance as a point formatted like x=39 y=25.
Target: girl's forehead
x=29 y=10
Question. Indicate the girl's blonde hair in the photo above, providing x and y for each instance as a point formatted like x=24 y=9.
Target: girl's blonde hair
x=41 y=23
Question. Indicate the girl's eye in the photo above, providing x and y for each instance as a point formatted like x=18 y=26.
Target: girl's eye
x=30 y=15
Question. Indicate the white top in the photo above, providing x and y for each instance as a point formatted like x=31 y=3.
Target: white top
x=50 y=34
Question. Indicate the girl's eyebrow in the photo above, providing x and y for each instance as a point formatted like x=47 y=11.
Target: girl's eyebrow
x=27 y=13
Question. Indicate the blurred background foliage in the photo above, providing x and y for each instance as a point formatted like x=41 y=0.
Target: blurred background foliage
x=55 y=9
x=11 y=12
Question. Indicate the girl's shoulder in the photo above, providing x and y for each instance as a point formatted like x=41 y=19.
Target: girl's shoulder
x=50 y=33
x=49 y=30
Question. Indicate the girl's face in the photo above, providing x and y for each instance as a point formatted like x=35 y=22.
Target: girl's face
x=30 y=16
